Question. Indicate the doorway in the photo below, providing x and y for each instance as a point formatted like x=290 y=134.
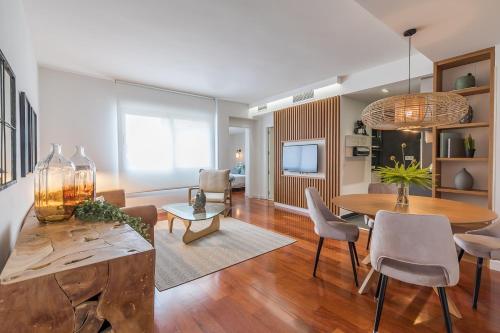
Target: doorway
x=239 y=157
x=270 y=163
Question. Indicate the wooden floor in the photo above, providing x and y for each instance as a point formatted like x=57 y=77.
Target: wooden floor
x=277 y=293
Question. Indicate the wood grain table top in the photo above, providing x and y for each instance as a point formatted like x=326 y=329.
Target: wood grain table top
x=43 y=249
x=456 y=211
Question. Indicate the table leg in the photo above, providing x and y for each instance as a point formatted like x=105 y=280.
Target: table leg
x=170 y=219
x=190 y=236
x=369 y=279
x=451 y=305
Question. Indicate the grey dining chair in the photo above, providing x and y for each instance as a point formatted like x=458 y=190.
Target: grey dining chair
x=377 y=188
x=416 y=249
x=329 y=225
x=481 y=243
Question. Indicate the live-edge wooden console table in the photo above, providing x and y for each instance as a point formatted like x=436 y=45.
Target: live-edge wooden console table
x=78 y=277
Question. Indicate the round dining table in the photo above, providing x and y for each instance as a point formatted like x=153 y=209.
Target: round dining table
x=458 y=213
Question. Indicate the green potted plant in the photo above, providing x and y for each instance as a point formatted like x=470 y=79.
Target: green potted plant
x=470 y=146
x=403 y=175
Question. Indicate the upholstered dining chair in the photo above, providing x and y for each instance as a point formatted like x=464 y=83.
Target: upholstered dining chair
x=416 y=249
x=217 y=187
x=378 y=188
x=481 y=243
x=328 y=225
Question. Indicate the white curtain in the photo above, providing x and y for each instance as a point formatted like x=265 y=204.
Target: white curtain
x=164 y=138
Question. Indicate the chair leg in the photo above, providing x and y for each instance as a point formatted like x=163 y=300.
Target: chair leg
x=460 y=254
x=369 y=238
x=444 y=306
x=355 y=273
x=318 y=251
x=355 y=253
x=380 y=301
x=479 y=269
x=378 y=286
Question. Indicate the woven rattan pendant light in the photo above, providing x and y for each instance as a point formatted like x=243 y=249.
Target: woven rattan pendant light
x=415 y=111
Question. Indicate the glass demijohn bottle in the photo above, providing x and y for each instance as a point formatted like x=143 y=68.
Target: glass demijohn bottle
x=84 y=176
x=54 y=187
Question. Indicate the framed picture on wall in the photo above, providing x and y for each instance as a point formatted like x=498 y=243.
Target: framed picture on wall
x=28 y=134
x=7 y=124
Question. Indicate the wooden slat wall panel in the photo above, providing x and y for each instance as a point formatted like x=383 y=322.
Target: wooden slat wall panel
x=315 y=120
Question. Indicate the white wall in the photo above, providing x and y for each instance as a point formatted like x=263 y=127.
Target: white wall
x=81 y=110
x=355 y=172
x=15 y=43
x=225 y=111
x=259 y=156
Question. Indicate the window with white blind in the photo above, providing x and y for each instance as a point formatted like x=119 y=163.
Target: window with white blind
x=165 y=138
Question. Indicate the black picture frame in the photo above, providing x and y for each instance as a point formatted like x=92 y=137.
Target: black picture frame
x=28 y=126
x=8 y=137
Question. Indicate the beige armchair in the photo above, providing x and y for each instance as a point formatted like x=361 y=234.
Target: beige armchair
x=148 y=213
x=217 y=188
x=416 y=249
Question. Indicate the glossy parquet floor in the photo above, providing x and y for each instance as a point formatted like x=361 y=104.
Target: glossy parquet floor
x=277 y=293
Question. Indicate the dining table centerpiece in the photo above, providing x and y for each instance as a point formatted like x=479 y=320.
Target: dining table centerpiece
x=403 y=174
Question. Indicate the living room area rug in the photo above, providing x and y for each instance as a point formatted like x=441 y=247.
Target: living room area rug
x=235 y=242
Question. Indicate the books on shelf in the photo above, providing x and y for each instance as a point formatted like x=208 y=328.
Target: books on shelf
x=456 y=147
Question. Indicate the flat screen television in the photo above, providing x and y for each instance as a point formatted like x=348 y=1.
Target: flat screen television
x=300 y=158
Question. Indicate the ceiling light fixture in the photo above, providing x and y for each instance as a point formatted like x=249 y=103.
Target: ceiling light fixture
x=415 y=111
x=385 y=91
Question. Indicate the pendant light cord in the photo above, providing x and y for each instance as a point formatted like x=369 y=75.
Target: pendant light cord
x=409 y=63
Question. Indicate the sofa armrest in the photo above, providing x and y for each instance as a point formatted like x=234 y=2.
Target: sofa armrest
x=114 y=197
x=148 y=214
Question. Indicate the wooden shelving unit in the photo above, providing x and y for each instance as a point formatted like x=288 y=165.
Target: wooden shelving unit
x=445 y=72
x=473 y=91
x=468 y=125
x=482 y=193
x=462 y=159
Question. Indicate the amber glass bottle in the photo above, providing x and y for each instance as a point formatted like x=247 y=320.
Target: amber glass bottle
x=84 y=176
x=54 y=187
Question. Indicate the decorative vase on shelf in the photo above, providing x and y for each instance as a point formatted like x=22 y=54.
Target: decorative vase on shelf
x=403 y=193
x=468 y=116
x=465 y=81
x=54 y=187
x=84 y=176
x=464 y=180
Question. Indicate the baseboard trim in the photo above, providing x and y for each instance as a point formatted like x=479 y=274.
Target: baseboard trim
x=293 y=209
x=495 y=265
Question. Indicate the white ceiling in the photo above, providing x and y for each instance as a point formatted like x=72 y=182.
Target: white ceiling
x=446 y=28
x=236 y=50
x=393 y=89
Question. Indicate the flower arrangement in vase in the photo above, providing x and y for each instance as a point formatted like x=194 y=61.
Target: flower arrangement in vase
x=403 y=175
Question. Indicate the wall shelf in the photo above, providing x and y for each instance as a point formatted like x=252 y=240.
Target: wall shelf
x=467 y=125
x=472 y=91
x=462 y=159
x=482 y=193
